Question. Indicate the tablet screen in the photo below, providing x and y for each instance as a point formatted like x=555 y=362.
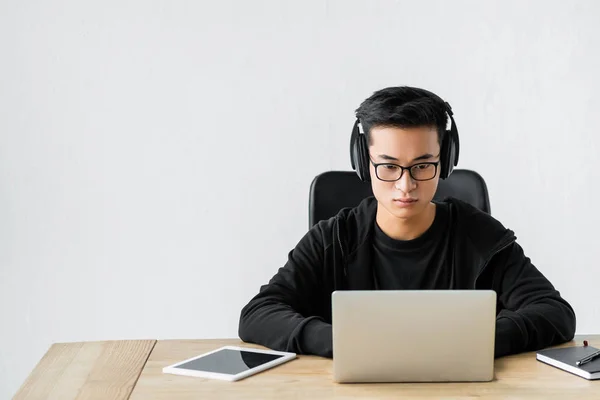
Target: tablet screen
x=229 y=361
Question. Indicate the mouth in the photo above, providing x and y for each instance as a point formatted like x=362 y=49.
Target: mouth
x=405 y=202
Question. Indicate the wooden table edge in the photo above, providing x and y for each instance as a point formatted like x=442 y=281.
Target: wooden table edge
x=137 y=378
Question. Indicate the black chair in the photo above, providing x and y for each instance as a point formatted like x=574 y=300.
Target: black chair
x=333 y=190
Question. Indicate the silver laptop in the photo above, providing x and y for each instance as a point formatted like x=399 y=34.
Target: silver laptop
x=413 y=336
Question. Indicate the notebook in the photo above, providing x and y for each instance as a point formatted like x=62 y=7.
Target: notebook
x=565 y=359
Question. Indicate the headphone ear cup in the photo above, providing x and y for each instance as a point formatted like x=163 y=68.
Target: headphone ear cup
x=359 y=157
x=353 y=148
x=362 y=158
x=451 y=156
x=450 y=147
x=451 y=153
x=446 y=155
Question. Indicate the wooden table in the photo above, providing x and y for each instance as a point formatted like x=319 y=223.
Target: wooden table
x=109 y=370
x=93 y=370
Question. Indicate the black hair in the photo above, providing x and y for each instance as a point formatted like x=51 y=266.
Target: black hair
x=403 y=107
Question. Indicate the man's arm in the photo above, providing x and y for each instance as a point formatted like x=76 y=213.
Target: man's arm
x=534 y=315
x=285 y=314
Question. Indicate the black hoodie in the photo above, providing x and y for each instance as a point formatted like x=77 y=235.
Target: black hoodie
x=293 y=311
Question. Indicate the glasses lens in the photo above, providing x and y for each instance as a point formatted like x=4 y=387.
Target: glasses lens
x=388 y=172
x=423 y=172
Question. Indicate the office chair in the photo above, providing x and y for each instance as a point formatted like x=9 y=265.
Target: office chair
x=333 y=190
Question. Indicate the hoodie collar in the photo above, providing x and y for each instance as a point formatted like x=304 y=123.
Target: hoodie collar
x=485 y=237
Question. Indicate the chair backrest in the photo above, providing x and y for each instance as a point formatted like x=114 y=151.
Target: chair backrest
x=333 y=190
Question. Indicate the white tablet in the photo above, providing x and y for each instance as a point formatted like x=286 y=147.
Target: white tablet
x=229 y=363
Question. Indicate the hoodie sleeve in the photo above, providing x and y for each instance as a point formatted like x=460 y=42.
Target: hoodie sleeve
x=287 y=313
x=533 y=314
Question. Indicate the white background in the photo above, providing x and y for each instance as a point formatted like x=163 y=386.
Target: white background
x=156 y=156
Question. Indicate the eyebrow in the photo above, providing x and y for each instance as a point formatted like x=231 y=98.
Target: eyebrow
x=390 y=158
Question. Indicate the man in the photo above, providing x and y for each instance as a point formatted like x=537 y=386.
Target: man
x=401 y=239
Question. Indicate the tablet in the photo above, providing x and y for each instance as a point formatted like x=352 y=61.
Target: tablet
x=229 y=363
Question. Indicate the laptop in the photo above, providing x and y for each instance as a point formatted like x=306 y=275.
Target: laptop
x=413 y=336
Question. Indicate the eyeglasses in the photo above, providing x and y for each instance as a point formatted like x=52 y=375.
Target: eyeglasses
x=419 y=172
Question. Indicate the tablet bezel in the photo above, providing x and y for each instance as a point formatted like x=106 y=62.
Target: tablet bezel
x=174 y=368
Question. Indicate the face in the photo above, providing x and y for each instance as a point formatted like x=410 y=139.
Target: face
x=405 y=198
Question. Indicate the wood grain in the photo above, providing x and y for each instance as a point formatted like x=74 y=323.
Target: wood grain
x=516 y=377
x=90 y=370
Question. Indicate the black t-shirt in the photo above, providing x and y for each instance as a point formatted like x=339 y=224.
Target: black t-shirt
x=420 y=263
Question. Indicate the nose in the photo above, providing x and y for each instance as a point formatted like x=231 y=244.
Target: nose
x=406 y=184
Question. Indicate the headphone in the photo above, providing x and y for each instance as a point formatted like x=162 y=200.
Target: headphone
x=449 y=149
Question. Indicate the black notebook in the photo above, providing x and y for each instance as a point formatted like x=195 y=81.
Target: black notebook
x=565 y=359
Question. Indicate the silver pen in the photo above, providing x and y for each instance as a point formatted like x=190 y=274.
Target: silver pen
x=589 y=358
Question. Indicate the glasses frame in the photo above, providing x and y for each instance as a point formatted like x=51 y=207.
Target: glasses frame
x=409 y=169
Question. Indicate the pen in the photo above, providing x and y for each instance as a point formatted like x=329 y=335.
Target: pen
x=589 y=358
